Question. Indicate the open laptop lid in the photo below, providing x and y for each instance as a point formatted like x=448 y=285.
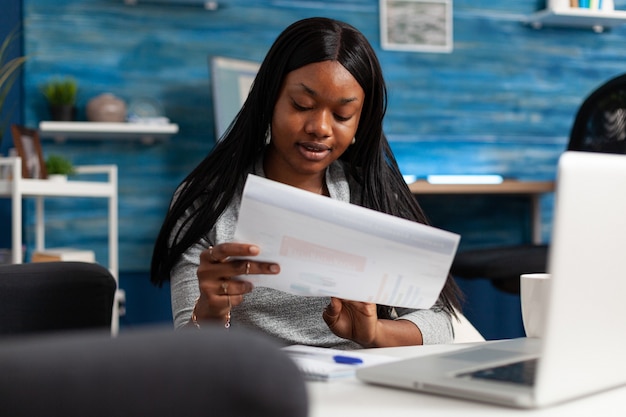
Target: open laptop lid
x=581 y=350
x=586 y=322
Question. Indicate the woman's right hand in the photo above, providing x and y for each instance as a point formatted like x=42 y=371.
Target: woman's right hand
x=218 y=291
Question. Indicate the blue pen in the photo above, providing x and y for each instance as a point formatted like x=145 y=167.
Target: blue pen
x=343 y=359
x=348 y=360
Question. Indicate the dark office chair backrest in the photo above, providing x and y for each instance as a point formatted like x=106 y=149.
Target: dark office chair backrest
x=599 y=126
x=156 y=372
x=55 y=296
x=600 y=123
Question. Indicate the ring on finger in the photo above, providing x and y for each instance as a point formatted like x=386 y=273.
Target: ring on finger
x=247 y=268
x=225 y=287
x=213 y=258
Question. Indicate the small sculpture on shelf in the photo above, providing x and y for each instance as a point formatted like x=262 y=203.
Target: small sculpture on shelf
x=61 y=96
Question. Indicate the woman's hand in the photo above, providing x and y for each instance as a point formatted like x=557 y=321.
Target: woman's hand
x=359 y=322
x=218 y=292
x=352 y=320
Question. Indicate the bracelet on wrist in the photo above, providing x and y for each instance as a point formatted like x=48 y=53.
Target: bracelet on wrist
x=194 y=318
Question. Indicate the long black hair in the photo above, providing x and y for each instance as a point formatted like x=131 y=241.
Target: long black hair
x=208 y=189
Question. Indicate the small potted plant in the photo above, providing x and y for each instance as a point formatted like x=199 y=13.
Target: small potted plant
x=59 y=167
x=61 y=96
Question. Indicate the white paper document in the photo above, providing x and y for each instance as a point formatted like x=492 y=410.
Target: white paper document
x=326 y=247
x=322 y=364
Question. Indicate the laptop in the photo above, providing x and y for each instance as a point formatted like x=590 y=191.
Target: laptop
x=581 y=351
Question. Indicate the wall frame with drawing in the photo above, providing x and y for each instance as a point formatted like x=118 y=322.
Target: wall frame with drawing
x=416 y=25
x=28 y=146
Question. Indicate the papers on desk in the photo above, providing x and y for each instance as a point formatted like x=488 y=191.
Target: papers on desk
x=327 y=247
x=325 y=364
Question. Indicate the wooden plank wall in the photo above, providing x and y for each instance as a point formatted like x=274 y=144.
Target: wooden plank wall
x=502 y=102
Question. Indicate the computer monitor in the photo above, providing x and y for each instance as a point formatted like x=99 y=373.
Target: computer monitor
x=231 y=82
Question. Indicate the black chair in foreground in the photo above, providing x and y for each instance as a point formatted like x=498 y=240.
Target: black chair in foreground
x=54 y=297
x=599 y=126
x=156 y=372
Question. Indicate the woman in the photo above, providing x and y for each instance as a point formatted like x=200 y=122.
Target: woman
x=313 y=119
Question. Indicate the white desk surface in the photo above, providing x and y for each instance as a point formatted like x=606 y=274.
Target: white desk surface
x=351 y=397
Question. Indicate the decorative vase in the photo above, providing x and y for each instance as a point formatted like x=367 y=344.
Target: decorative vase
x=62 y=112
x=57 y=177
x=106 y=108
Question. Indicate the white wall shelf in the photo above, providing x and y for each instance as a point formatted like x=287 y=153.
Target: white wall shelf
x=206 y=4
x=598 y=20
x=145 y=132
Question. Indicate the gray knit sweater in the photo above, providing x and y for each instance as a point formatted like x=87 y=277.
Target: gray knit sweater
x=288 y=318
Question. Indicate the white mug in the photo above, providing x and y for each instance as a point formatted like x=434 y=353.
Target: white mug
x=534 y=290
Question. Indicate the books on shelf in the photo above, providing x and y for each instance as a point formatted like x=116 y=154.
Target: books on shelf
x=63 y=254
x=605 y=5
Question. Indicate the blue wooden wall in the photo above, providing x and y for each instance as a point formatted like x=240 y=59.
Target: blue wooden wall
x=502 y=102
x=10 y=19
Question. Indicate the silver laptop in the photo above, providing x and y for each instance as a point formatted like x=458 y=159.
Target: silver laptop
x=581 y=351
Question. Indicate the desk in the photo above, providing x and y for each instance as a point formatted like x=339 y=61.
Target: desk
x=18 y=188
x=351 y=397
x=533 y=189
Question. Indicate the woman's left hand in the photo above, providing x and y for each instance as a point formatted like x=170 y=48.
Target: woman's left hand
x=359 y=322
x=352 y=320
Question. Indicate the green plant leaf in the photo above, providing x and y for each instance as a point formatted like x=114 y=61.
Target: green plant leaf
x=8 y=75
x=60 y=91
x=57 y=164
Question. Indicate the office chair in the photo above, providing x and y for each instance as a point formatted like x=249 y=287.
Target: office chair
x=150 y=371
x=599 y=126
x=55 y=296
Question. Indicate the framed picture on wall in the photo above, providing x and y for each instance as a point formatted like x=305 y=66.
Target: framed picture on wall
x=28 y=146
x=416 y=25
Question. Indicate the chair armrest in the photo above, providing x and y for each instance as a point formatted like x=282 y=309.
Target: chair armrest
x=109 y=170
x=95 y=169
x=10 y=167
x=7 y=160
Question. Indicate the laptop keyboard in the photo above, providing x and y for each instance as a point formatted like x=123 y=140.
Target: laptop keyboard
x=522 y=373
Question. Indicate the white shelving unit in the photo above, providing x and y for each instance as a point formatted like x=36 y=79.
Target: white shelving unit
x=145 y=132
x=18 y=188
x=598 y=20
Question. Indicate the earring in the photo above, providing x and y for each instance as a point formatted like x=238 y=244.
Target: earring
x=353 y=140
x=268 y=134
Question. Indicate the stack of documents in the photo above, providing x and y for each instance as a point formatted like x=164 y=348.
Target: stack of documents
x=326 y=247
x=324 y=364
x=63 y=254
